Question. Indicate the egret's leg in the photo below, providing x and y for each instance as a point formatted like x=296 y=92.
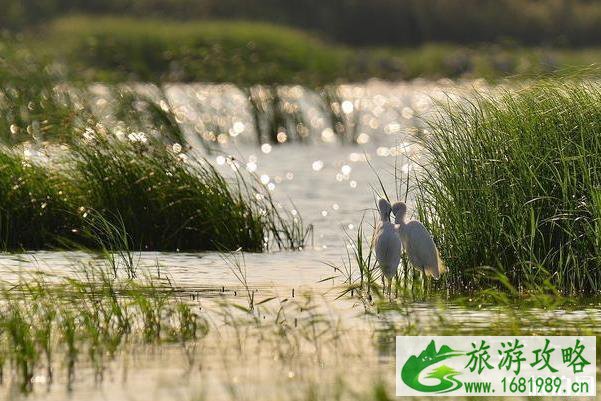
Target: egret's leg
x=390 y=289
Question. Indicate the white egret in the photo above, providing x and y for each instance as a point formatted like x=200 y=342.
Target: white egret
x=418 y=243
x=387 y=243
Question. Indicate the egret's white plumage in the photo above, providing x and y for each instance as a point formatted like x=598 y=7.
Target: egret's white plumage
x=417 y=242
x=387 y=242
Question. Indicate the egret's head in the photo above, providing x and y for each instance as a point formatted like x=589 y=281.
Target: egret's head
x=399 y=209
x=384 y=208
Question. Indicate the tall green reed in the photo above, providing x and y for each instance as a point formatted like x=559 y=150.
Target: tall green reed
x=344 y=125
x=164 y=199
x=512 y=183
x=277 y=114
x=35 y=203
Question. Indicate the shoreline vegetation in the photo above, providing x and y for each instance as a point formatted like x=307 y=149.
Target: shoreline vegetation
x=67 y=179
x=570 y=23
x=122 y=49
x=152 y=196
x=512 y=188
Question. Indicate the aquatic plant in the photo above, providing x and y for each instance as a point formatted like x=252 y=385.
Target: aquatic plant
x=277 y=114
x=152 y=195
x=87 y=319
x=116 y=174
x=142 y=112
x=344 y=125
x=35 y=203
x=512 y=183
x=165 y=199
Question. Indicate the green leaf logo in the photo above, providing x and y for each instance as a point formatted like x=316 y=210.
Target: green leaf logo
x=415 y=365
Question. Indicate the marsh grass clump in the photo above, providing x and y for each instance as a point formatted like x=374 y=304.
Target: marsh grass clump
x=143 y=182
x=277 y=114
x=345 y=125
x=136 y=192
x=513 y=183
x=162 y=199
x=142 y=112
x=165 y=200
x=35 y=203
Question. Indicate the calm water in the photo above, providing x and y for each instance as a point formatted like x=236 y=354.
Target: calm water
x=333 y=186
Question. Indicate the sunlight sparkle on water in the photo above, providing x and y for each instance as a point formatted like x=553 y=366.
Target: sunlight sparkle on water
x=356 y=157
x=327 y=135
x=251 y=167
x=237 y=128
x=392 y=128
x=282 y=137
x=266 y=148
x=407 y=113
x=363 y=138
x=383 y=151
x=347 y=107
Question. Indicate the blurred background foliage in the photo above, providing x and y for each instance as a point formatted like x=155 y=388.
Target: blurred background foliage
x=360 y=22
x=249 y=42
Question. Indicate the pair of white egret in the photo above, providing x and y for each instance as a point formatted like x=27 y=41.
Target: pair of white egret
x=390 y=239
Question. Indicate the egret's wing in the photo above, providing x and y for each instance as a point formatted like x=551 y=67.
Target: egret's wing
x=421 y=248
x=381 y=246
x=388 y=249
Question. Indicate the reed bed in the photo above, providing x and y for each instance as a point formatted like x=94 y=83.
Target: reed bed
x=160 y=199
x=35 y=204
x=511 y=189
x=164 y=199
x=62 y=171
